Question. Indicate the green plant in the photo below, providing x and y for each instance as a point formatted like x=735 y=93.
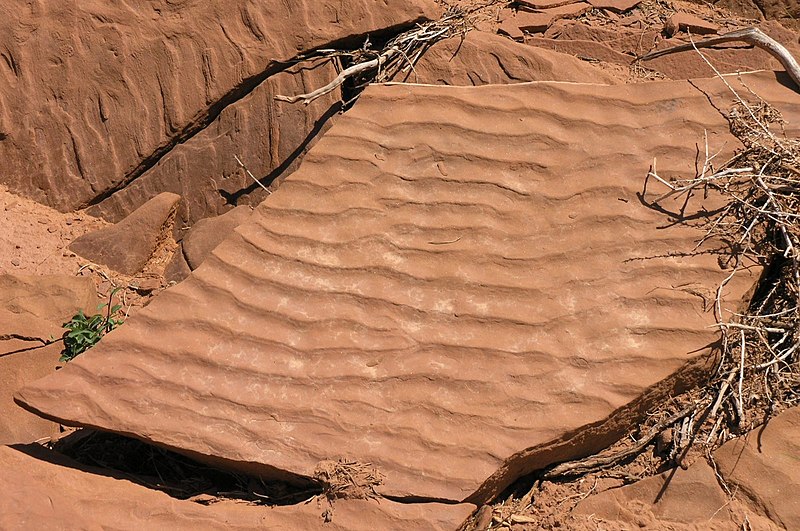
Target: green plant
x=83 y=331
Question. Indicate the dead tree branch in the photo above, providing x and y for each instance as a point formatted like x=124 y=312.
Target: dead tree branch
x=753 y=36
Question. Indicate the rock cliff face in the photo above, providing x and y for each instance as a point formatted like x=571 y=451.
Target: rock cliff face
x=94 y=95
x=454 y=284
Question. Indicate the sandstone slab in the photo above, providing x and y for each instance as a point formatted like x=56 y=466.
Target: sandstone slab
x=509 y=28
x=447 y=263
x=96 y=93
x=482 y=58
x=50 y=298
x=616 y=6
x=127 y=246
x=535 y=5
x=586 y=49
x=42 y=490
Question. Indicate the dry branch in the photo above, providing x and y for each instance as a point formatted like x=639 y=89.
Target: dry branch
x=341 y=78
x=250 y=174
x=594 y=463
x=752 y=36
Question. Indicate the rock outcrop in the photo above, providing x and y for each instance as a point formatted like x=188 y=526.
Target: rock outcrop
x=448 y=263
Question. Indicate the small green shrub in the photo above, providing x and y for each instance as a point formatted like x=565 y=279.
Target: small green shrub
x=83 y=331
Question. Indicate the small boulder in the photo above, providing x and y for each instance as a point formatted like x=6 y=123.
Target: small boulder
x=509 y=28
x=127 y=246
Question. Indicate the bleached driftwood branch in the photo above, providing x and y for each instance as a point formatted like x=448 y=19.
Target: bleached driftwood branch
x=752 y=36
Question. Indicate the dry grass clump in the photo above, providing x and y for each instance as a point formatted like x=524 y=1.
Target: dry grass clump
x=346 y=479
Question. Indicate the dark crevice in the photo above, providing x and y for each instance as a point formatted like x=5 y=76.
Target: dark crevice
x=177 y=475
x=40 y=345
x=239 y=92
x=421 y=499
x=233 y=198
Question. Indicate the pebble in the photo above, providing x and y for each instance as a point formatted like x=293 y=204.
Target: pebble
x=15 y=262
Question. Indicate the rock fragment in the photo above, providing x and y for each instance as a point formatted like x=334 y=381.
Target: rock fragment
x=539 y=20
x=127 y=246
x=207 y=233
x=481 y=58
x=687 y=22
x=177 y=268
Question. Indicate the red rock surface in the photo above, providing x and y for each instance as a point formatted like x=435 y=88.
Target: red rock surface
x=454 y=282
x=759 y=470
x=206 y=234
x=270 y=136
x=32 y=310
x=127 y=246
x=42 y=490
x=96 y=93
x=482 y=58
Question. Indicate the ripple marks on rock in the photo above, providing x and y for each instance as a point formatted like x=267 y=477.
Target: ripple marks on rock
x=453 y=277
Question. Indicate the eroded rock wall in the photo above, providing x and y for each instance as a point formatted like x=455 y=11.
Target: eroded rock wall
x=93 y=94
